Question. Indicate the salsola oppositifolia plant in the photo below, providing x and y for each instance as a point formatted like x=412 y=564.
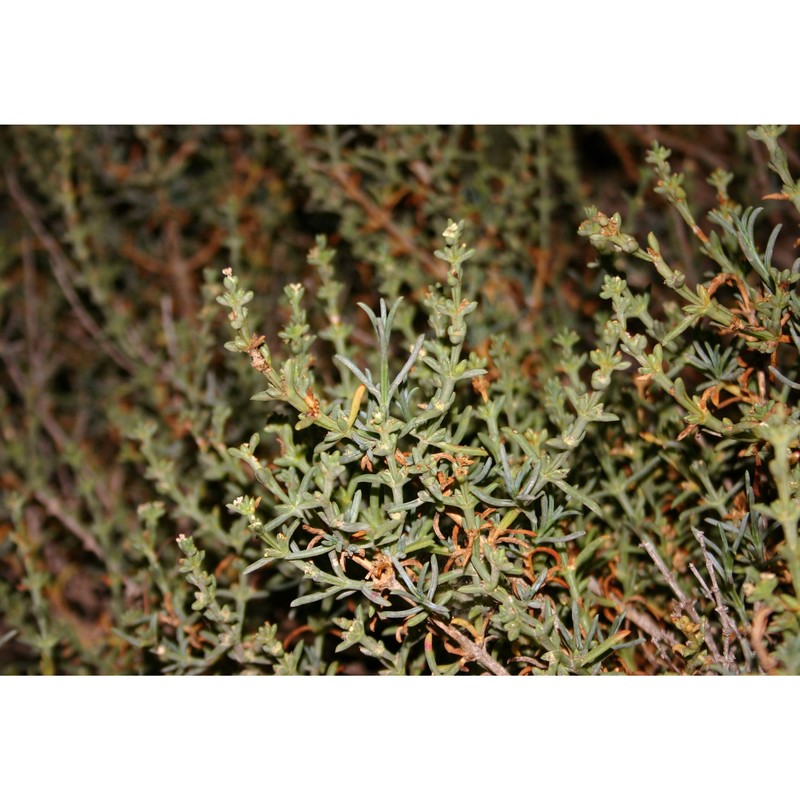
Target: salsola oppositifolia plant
x=439 y=523
x=429 y=506
x=518 y=469
x=715 y=401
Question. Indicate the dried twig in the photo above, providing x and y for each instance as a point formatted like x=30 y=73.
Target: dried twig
x=647 y=133
x=179 y=270
x=107 y=495
x=62 y=269
x=472 y=650
x=683 y=601
x=729 y=629
x=382 y=220
x=54 y=507
x=662 y=639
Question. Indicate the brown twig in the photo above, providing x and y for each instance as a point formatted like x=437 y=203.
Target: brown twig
x=381 y=219
x=31 y=308
x=179 y=270
x=628 y=161
x=472 y=650
x=647 y=133
x=528 y=660
x=662 y=639
x=62 y=270
x=729 y=628
x=54 y=507
x=683 y=601
x=43 y=414
x=59 y=436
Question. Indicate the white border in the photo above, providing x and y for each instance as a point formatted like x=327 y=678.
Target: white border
x=421 y=61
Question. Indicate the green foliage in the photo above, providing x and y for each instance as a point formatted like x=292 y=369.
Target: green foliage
x=449 y=447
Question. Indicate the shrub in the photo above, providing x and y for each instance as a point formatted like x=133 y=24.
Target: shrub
x=483 y=459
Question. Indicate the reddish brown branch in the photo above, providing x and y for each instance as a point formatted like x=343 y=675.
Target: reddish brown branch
x=381 y=219
x=54 y=507
x=63 y=269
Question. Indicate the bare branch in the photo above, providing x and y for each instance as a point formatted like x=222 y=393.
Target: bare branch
x=54 y=507
x=729 y=628
x=683 y=601
x=472 y=650
x=62 y=269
